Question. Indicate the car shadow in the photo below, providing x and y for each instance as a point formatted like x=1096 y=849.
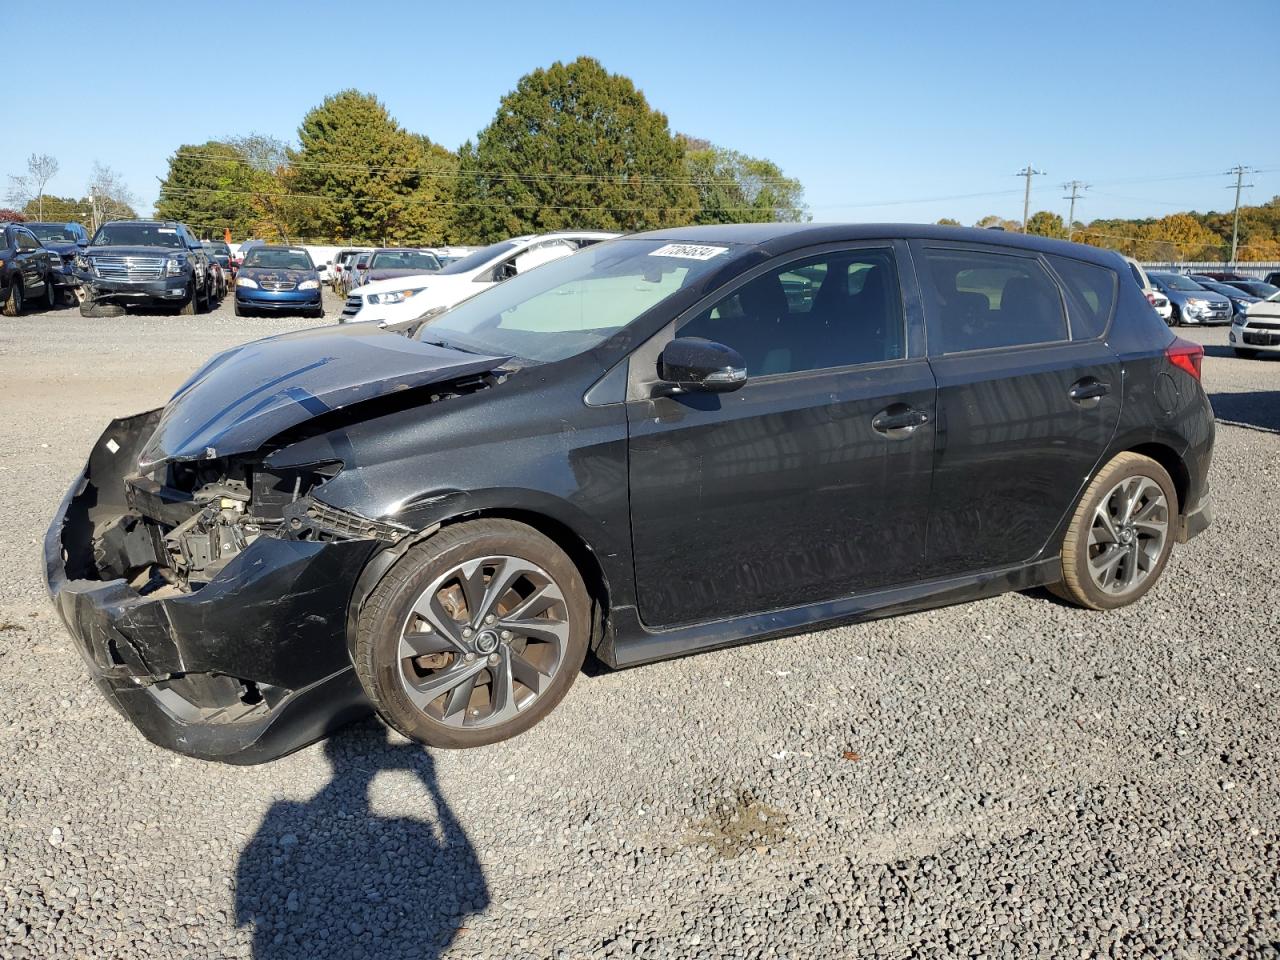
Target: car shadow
x=329 y=877
x=1254 y=410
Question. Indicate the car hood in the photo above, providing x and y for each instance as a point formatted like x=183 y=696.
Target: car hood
x=384 y=273
x=135 y=251
x=1265 y=308
x=60 y=247
x=278 y=275
x=429 y=281
x=244 y=397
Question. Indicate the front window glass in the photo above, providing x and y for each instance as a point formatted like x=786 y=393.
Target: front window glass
x=404 y=260
x=986 y=300
x=1176 y=281
x=832 y=310
x=575 y=303
x=278 y=259
x=137 y=235
x=473 y=261
x=54 y=232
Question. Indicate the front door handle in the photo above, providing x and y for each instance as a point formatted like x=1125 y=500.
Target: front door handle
x=898 y=421
x=1089 y=391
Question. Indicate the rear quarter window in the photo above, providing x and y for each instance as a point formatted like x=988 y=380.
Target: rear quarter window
x=1091 y=295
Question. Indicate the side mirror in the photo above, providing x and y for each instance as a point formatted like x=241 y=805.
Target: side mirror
x=694 y=365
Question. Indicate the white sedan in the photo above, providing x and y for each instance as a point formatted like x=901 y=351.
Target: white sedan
x=407 y=298
x=1257 y=331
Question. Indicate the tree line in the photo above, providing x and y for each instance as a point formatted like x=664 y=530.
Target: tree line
x=571 y=146
x=1178 y=236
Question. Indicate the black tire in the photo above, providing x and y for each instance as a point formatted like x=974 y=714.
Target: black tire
x=92 y=308
x=1078 y=584
x=1175 y=318
x=14 y=304
x=189 y=306
x=239 y=311
x=317 y=313
x=389 y=609
x=51 y=297
x=1246 y=354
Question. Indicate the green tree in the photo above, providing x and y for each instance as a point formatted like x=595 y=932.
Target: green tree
x=991 y=221
x=360 y=175
x=572 y=146
x=949 y=222
x=1042 y=223
x=205 y=188
x=60 y=210
x=735 y=188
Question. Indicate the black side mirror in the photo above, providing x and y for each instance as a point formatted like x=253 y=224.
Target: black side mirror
x=694 y=365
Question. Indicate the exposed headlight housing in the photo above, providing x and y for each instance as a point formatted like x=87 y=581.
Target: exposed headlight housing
x=173 y=266
x=246 y=282
x=394 y=296
x=83 y=263
x=309 y=284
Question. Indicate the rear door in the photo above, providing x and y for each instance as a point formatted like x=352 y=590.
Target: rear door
x=1026 y=403
x=809 y=483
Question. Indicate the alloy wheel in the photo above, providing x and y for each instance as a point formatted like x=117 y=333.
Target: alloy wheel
x=483 y=641
x=1128 y=534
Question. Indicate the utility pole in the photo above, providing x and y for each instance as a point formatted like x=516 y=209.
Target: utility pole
x=1075 y=186
x=1029 y=172
x=1238 y=171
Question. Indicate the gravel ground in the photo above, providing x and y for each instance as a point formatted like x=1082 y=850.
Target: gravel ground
x=1006 y=778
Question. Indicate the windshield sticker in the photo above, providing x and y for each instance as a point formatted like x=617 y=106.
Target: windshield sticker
x=165 y=230
x=689 y=251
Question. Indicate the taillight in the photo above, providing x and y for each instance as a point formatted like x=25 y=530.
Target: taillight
x=1151 y=298
x=1186 y=355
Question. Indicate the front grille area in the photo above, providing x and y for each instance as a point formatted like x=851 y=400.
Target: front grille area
x=1218 y=310
x=1262 y=325
x=278 y=286
x=129 y=268
x=1261 y=339
x=353 y=305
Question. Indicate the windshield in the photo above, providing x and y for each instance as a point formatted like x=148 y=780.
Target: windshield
x=52 y=231
x=405 y=260
x=278 y=259
x=1257 y=288
x=570 y=305
x=219 y=248
x=473 y=261
x=136 y=235
x=1176 y=281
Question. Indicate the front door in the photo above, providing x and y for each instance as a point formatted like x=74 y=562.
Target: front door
x=1026 y=404
x=809 y=483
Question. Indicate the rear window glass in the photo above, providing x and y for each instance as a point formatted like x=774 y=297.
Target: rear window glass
x=986 y=300
x=1091 y=295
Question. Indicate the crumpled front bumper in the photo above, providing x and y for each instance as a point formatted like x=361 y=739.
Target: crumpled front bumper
x=250 y=667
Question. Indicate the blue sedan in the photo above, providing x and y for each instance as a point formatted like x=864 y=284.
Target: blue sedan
x=278 y=280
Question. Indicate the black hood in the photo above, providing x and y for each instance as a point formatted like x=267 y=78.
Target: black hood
x=132 y=251
x=244 y=397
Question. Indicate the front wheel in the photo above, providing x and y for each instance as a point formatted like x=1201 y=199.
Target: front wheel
x=50 y=294
x=474 y=635
x=1120 y=535
x=13 y=306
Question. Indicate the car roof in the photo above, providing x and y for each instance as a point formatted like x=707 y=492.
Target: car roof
x=782 y=237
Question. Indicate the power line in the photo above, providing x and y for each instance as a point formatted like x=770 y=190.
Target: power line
x=1028 y=172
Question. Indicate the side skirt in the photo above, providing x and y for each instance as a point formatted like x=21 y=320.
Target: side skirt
x=632 y=643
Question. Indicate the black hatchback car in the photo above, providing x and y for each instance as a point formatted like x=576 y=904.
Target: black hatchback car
x=667 y=443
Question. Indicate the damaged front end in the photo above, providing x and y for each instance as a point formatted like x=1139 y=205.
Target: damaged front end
x=209 y=598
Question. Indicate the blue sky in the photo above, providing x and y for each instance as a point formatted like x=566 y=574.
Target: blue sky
x=901 y=111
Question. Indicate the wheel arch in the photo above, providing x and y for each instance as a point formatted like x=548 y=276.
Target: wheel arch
x=1173 y=464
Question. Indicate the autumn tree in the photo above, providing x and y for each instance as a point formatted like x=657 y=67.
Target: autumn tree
x=948 y=222
x=1042 y=223
x=572 y=146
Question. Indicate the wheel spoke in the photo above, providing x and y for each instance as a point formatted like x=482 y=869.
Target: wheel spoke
x=418 y=643
x=502 y=696
x=427 y=689
x=505 y=575
x=548 y=631
x=455 y=705
x=528 y=674
x=536 y=604
x=471 y=580
x=1104 y=566
x=1103 y=530
x=430 y=609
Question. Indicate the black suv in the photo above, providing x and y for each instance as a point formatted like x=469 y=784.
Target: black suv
x=144 y=263
x=27 y=270
x=665 y=443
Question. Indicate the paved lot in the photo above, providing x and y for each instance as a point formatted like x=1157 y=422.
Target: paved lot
x=1007 y=778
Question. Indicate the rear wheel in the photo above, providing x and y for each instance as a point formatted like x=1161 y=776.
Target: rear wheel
x=1120 y=536
x=474 y=635
x=13 y=306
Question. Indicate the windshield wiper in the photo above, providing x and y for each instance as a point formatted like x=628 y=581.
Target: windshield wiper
x=450 y=346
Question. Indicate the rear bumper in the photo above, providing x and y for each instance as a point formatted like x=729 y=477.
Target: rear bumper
x=252 y=666
x=1197 y=521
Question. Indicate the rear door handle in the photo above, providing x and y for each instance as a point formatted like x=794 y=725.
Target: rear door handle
x=1088 y=391
x=898 y=421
